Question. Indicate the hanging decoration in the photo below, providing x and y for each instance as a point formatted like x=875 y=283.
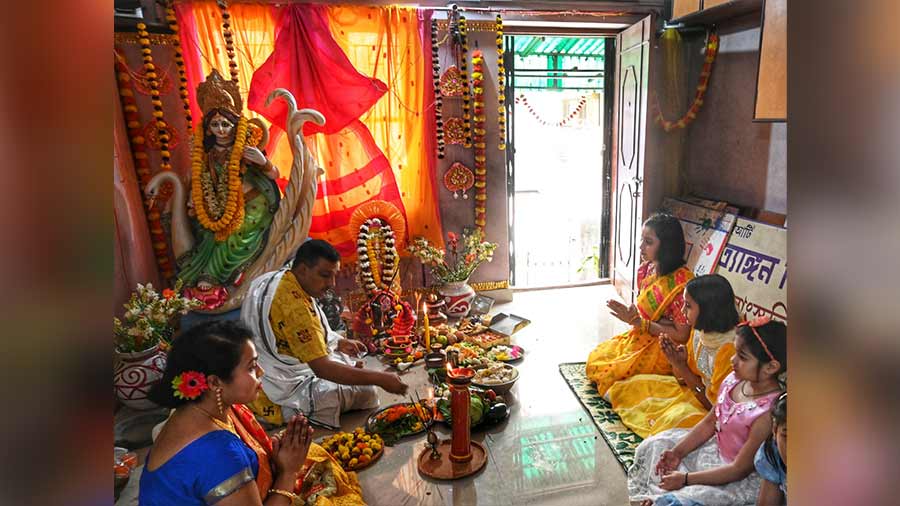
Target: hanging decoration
x=479 y=138
x=179 y=64
x=229 y=39
x=438 y=100
x=451 y=82
x=459 y=178
x=455 y=130
x=219 y=207
x=464 y=77
x=142 y=167
x=522 y=99
x=153 y=138
x=501 y=87
x=376 y=247
x=712 y=48
x=142 y=82
x=158 y=120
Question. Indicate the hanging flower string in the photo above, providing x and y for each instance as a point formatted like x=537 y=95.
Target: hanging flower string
x=150 y=68
x=142 y=167
x=179 y=64
x=479 y=138
x=229 y=39
x=501 y=86
x=376 y=239
x=464 y=76
x=522 y=99
x=438 y=99
x=712 y=48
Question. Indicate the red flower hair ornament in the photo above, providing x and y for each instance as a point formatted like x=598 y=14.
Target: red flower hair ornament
x=189 y=385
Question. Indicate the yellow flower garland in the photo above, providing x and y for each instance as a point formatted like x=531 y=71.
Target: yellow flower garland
x=233 y=216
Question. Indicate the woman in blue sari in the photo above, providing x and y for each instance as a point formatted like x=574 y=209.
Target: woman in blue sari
x=199 y=457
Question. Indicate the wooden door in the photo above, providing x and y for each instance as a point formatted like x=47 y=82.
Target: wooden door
x=632 y=74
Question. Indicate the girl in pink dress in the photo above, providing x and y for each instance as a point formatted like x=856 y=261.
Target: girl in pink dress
x=682 y=467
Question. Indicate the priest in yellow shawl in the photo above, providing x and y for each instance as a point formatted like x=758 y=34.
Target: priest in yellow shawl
x=658 y=309
x=650 y=403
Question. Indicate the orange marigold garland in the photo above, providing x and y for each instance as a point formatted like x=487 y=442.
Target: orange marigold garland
x=229 y=39
x=522 y=99
x=150 y=68
x=179 y=64
x=501 y=86
x=158 y=238
x=464 y=76
x=211 y=213
x=479 y=138
x=712 y=48
x=438 y=99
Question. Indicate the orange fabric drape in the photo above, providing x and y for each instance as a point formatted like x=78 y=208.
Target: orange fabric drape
x=384 y=43
x=381 y=42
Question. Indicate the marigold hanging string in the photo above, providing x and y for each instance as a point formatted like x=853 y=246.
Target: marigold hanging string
x=229 y=39
x=522 y=99
x=438 y=99
x=501 y=86
x=712 y=49
x=464 y=75
x=479 y=138
x=179 y=64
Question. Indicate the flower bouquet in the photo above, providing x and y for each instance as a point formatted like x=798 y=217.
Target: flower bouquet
x=147 y=321
x=464 y=255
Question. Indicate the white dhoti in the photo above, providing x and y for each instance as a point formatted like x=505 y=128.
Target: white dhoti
x=289 y=382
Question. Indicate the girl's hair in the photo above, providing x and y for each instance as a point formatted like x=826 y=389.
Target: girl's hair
x=779 y=418
x=210 y=348
x=210 y=140
x=715 y=297
x=670 y=255
x=774 y=335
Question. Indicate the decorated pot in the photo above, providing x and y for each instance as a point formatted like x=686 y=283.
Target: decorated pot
x=135 y=373
x=458 y=295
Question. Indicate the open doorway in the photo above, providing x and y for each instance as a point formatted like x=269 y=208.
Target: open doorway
x=559 y=171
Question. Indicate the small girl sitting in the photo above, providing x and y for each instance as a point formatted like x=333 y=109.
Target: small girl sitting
x=681 y=467
x=771 y=458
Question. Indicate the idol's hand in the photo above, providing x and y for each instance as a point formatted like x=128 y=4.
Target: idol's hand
x=254 y=155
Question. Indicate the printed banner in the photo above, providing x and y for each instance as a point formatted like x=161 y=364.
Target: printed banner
x=705 y=233
x=755 y=263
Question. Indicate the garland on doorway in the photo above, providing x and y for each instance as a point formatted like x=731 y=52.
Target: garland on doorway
x=522 y=99
x=479 y=138
x=501 y=86
x=712 y=48
x=438 y=100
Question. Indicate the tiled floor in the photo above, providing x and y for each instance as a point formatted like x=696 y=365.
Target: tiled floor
x=548 y=452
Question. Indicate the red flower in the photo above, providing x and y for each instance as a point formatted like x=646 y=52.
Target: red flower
x=168 y=293
x=451 y=237
x=189 y=385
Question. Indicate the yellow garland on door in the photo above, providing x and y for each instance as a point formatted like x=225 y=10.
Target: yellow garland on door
x=233 y=216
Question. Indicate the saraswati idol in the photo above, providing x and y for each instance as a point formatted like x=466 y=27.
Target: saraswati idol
x=232 y=222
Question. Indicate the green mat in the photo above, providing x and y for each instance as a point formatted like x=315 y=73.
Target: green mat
x=620 y=439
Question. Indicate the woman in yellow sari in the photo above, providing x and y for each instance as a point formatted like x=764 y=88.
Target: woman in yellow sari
x=661 y=279
x=651 y=403
x=212 y=450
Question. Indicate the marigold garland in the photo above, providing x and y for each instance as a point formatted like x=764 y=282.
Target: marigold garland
x=179 y=64
x=159 y=241
x=464 y=76
x=501 y=86
x=150 y=68
x=230 y=216
x=712 y=48
x=479 y=138
x=229 y=39
x=522 y=99
x=438 y=100
x=374 y=274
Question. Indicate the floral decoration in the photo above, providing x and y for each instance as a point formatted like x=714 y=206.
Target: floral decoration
x=712 y=48
x=377 y=251
x=147 y=321
x=479 y=140
x=438 y=100
x=189 y=385
x=179 y=63
x=219 y=207
x=229 y=40
x=501 y=86
x=464 y=258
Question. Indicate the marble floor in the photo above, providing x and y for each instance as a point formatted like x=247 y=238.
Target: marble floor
x=547 y=452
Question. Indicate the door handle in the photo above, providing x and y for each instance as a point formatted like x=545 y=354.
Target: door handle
x=637 y=186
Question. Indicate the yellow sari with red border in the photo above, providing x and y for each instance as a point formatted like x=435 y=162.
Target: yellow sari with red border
x=636 y=352
x=321 y=476
x=651 y=403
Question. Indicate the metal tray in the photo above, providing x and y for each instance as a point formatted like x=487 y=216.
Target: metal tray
x=507 y=324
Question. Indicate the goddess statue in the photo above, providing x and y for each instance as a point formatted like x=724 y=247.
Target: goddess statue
x=233 y=222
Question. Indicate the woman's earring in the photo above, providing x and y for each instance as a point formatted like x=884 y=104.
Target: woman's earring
x=219 y=403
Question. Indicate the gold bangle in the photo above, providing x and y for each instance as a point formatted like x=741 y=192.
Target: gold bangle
x=645 y=326
x=289 y=495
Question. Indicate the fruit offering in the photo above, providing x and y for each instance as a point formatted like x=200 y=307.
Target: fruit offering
x=354 y=450
x=488 y=339
x=485 y=408
x=502 y=353
x=495 y=374
x=471 y=355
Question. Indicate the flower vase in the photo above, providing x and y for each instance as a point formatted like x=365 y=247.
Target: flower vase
x=458 y=295
x=135 y=373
